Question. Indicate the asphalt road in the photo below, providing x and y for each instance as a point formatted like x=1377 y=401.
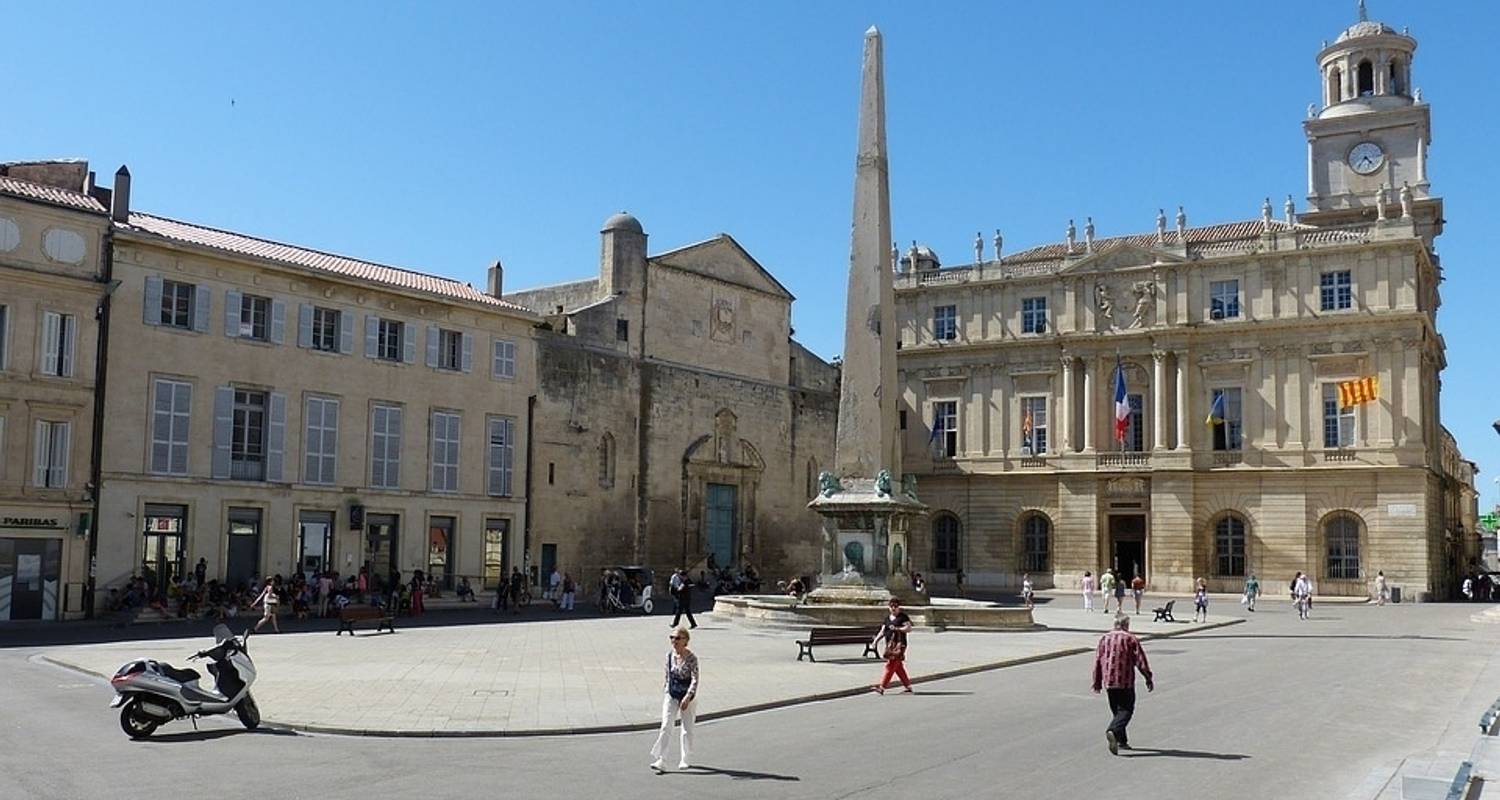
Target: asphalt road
x=1271 y=708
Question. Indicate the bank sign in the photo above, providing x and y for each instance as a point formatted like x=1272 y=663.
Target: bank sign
x=35 y=523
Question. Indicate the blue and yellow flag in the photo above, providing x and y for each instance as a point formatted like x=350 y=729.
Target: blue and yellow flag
x=1216 y=412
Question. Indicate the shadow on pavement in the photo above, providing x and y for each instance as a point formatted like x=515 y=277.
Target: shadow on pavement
x=1151 y=752
x=1373 y=636
x=942 y=692
x=217 y=733
x=737 y=774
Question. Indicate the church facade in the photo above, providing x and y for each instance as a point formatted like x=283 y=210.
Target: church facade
x=1221 y=350
x=676 y=421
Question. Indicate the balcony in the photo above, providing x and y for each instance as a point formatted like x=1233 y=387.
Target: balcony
x=1227 y=458
x=247 y=468
x=1130 y=459
x=1033 y=462
x=1339 y=455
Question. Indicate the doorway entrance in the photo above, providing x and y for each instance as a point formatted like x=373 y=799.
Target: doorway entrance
x=316 y=543
x=1127 y=545
x=162 y=552
x=29 y=571
x=718 y=523
x=243 y=562
x=381 y=537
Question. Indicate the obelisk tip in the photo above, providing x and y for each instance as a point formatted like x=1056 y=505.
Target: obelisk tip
x=873 y=32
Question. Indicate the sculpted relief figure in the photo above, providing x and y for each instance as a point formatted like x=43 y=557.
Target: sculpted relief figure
x=1103 y=302
x=1145 y=296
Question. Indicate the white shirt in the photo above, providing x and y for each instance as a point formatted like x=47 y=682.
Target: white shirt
x=1026 y=586
x=556 y=577
x=676 y=581
x=1304 y=587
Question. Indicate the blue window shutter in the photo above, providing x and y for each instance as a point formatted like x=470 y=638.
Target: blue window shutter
x=233 y=305
x=432 y=345
x=223 y=429
x=372 y=335
x=408 y=344
x=304 y=325
x=276 y=437
x=346 y=332
x=278 y=322
x=468 y=363
x=202 y=306
x=151 y=308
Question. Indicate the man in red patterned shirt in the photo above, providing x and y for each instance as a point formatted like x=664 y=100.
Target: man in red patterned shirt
x=1120 y=654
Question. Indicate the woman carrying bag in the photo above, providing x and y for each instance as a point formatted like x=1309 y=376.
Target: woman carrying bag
x=897 y=625
x=681 y=687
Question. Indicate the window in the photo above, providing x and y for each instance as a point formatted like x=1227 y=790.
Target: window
x=1034 y=425
x=247 y=445
x=1335 y=86
x=385 y=447
x=901 y=418
x=325 y=329
x=504 y=359
x=495 y=533
x=1227 y=434
x=177 y=304
x=390 y=336
x=1341 y=534
x=1036 y=536
x=450 y=350
x=1034 y=315
x=4 y=335
x=171 y=410
x=51 y=454
x=1338 y=422
x=1224 y=299
x=945 y=543
x=944 y=439
x=1135 y=425
x=440 y=550
x=1365 y=76
x=945 y=322
x=58 y=334
x=501 y=457
x=255 y=318
x=622 y=330
x=444 y=451
x=320 y=442
x=1335 y=291
x=606 y=461
x=1229 y=546
x=1397 y=87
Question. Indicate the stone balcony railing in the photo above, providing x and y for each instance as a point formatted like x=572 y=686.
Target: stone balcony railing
x=1227 y=458
x=1125 y=460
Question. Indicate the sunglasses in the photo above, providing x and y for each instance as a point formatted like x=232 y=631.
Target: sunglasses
x=674 y=638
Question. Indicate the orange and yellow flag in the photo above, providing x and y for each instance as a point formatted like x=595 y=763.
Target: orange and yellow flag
x=1361 y=390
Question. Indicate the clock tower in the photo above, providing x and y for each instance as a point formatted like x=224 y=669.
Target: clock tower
x=1369 y=141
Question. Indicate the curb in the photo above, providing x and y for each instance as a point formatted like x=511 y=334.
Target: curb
x=631 y=727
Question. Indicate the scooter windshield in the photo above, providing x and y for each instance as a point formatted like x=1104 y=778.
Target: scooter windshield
x=221 y=633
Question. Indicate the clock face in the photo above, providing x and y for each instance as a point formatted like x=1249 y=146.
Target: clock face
x=1366 y=157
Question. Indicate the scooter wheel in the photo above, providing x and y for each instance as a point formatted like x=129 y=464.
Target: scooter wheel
x=249 y=713
x=647 y=607
x=135 y=722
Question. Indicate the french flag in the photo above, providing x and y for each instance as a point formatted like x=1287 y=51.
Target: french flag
x=1122 y=405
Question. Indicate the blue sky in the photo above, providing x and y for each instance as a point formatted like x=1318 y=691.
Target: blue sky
x=441 y=136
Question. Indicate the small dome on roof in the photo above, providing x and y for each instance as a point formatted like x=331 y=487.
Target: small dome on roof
x=623 y=222
x=1364 y=28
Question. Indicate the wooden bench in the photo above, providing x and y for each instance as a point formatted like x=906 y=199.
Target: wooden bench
x=348 y=615
x=1164 y=614
x=864 y=635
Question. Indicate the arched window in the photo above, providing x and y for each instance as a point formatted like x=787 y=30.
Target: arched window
x=1229 y=546
x=1036 y=541
x=606 y=461
x=945 y=543
x=1335 y=86
x=1398 y=86
x=1341 y=542
x=1366 y=79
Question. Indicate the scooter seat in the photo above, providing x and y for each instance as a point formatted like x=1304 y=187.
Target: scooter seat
x=179 y=675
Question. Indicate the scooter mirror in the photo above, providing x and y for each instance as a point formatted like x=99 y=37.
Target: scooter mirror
x=221 y=633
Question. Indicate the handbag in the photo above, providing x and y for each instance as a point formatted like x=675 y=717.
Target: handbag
x=677 y=686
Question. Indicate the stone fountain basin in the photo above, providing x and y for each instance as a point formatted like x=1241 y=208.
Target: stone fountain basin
x=941 y=613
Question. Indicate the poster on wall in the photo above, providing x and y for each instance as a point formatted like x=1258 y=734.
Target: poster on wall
x=29 y=571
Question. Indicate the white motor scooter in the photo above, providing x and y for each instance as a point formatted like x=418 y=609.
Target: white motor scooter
x=149 y=693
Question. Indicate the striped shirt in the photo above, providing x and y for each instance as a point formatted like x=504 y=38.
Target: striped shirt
x=1120 y=654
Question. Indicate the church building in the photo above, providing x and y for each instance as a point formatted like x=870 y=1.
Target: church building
x=1258 y=396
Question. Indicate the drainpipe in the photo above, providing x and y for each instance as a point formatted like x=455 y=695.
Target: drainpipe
x=96 y=443
x=530 y=469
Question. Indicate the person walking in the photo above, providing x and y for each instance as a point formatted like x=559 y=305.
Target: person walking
x=897 y=624
x=1115 y=663
x=682 y=598
x=1138 y=590
x=1088 y=591
x=1028 y=592
x=1119 y=595
x=200 y=572
x=1106 y=587
x=325 y=592
x=1302 y=596
x=1252 y=591
x=569 y=589
x=268 y=600
x=1381 y=593
x=554 y=586
x=1468 y=588
x=681 y=689
x=1200 y=600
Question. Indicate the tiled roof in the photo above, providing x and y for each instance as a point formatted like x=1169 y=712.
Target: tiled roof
x=50 y=194
x=1206 y=240
x=241 y=244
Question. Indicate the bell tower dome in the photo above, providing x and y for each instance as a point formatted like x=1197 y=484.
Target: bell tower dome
x=1370 y=138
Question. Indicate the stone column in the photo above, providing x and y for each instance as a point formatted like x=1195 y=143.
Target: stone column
x=1182 y=400
x=1065 y=410
x=1159 y=400
x=1088 y=405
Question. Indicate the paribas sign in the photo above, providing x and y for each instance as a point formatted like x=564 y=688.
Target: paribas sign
x=30 y=522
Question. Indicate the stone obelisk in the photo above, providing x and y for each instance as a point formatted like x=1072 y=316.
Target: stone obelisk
x=863 y=501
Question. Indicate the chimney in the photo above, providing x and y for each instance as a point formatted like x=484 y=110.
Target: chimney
x=497 y=273
x=119 y=209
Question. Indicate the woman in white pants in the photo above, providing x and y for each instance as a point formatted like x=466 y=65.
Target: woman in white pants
x=680 y=690
x=1088 y=591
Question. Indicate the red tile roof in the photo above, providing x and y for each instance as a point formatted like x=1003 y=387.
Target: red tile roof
x=241 y=244
x=1205 y=240
x=50 y=194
